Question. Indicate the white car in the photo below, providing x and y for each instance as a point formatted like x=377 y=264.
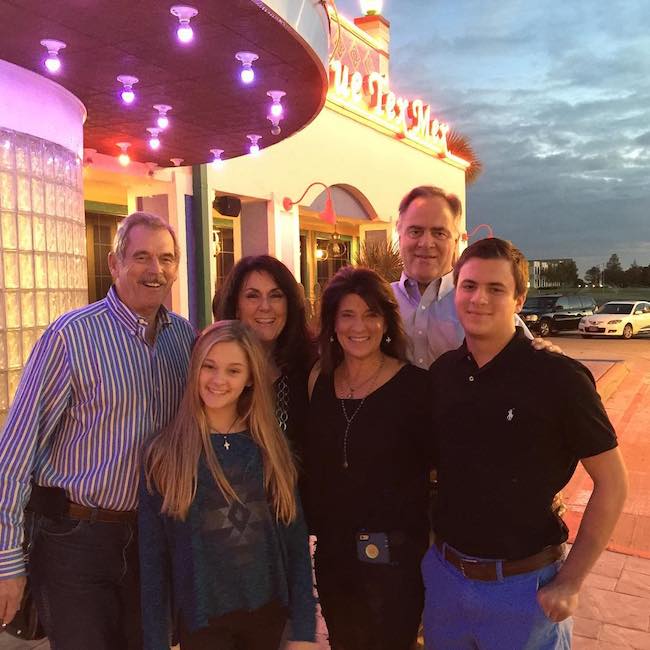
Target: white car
x=623 y=318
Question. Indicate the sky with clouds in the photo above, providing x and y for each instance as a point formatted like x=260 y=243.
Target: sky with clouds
x=555 y=98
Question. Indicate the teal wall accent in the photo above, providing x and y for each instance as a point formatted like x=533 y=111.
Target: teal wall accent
x=106 y=208
x=202 y=228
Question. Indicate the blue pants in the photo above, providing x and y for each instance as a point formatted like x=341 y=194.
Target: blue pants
x=464 y=614
x=85 y=581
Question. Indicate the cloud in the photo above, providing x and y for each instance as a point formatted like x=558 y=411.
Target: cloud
x=555 y=98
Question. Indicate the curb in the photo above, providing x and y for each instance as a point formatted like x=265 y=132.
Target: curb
x=611 y=379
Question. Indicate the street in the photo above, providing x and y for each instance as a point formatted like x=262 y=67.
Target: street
x=603 y=347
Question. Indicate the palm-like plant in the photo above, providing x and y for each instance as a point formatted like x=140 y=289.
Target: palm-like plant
x=460 y=146
x=382 y=257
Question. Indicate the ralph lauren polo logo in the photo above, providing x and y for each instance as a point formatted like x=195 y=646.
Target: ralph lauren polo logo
x=511 y=414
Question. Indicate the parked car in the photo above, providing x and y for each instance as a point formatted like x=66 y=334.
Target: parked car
x=548 y=314
x=623 y=318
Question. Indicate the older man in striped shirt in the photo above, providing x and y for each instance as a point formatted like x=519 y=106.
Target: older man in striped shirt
x=101 y=380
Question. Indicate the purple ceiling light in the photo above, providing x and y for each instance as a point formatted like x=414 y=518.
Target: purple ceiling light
x=254 y=149
x=184 y=13
x=163 y=120
x=154 y=140
x=127 y=81
x=276 y=107
x=52 y=62
x=217 y=161
x=246 y=59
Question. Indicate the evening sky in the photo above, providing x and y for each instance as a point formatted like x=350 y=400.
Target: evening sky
x=555 y=98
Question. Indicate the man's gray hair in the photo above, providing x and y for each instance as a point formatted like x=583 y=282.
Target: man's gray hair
x=430 y=192
x=153 y=221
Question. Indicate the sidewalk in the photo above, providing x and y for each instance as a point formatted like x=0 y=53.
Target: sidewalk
x=614 y=610
x=629 y=411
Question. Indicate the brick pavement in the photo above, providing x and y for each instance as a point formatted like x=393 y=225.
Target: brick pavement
x=614 y=610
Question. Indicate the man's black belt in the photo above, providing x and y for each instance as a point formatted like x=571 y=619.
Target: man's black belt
x=52 y=502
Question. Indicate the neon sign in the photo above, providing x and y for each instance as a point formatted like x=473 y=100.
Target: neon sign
x=371 y=96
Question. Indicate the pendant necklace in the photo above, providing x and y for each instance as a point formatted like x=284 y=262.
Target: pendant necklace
x=349 y=418
x=226 y=444
x=351 y=389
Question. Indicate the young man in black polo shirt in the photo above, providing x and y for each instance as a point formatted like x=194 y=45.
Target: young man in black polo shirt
x=511 y=426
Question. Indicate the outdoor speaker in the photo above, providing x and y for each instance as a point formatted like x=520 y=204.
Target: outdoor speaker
x=228 y=206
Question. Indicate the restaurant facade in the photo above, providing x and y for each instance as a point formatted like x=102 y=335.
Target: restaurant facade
x=365 y=149
x=313 y=199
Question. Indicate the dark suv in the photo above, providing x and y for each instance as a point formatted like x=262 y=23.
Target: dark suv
x=548 y=314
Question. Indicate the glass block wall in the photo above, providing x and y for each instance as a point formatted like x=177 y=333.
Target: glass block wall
x=42 y=247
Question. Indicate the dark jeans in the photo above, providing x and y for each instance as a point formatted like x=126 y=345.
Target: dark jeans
x=260 y=629
x=370 y=606
x=85 y=580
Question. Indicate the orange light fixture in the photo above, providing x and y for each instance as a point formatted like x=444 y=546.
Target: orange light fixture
x=327 y=214
x=490 y=235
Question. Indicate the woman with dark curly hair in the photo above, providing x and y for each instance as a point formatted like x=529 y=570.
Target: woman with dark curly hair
x=262 y=292
x=367 y=459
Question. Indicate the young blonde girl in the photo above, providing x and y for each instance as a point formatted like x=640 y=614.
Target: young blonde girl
x=223 y=544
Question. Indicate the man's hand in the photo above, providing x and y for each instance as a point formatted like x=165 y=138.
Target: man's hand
x=542 y=344
x=558 y=600
x=301 y=645
x=11 y=593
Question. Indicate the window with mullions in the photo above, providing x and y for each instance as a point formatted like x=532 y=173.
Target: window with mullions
x=100 y=231
x=328 y=264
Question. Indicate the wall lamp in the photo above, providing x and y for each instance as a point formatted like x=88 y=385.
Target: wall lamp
x=328 y=215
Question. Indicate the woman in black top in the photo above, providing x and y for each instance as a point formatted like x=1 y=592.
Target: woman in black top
x=262 y=293
x=367 y=462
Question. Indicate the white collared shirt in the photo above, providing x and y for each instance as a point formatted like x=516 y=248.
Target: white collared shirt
x=430 y=319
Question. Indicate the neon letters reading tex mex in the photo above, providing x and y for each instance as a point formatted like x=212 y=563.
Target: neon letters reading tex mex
x=371 y=97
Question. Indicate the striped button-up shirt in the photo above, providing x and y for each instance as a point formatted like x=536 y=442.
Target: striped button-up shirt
x=92 y=393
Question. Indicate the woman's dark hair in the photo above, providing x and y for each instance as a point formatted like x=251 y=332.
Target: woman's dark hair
x=377 y=294
x=294 y=349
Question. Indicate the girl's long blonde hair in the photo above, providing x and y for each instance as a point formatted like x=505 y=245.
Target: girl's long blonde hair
x=171 y=461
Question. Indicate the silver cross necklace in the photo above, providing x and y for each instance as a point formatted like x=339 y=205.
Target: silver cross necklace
x=225 y=435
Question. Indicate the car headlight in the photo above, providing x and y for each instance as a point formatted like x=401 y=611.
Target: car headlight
x=583 y=321
x=531 y=317
x=614 y=322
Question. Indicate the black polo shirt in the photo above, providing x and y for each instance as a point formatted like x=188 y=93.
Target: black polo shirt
x=509 y=437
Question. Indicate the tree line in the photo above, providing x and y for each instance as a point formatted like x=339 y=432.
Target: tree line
x=614 y=275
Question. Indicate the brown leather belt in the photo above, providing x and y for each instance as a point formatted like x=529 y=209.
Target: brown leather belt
x=487 y=570
x=83 y=513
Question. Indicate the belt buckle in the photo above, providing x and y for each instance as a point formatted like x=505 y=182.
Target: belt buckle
x=463 y=562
